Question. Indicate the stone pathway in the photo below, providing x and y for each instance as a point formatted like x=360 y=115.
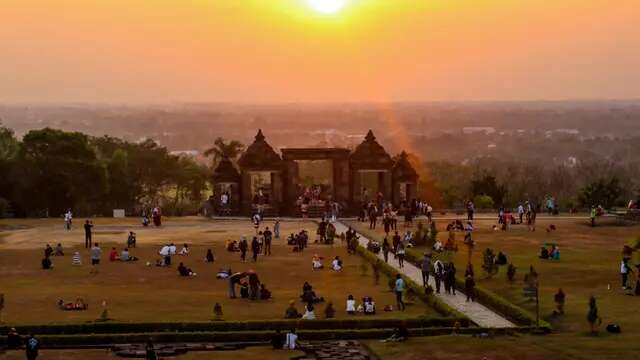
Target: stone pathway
x=334 y=350
x=478 y=313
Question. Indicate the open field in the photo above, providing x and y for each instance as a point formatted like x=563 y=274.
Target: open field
x=589 y=265
x=135 y=292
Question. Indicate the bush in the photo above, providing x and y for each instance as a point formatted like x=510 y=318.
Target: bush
x=483 y=202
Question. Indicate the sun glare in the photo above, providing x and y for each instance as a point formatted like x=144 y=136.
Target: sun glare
x=327 y=6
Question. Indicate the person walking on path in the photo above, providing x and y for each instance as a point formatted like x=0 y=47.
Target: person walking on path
x=88 y=230
x=470 y=210
x=426 y=268
x=385 y=249
x=399 y=289
x=400 y=255
x=469 y=287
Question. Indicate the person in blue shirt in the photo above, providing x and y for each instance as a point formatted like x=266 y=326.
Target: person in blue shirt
x=399 y=289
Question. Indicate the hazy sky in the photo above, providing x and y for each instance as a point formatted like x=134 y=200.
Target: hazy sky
x=284 y=51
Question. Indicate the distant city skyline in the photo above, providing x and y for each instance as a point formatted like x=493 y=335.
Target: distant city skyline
x=284 y=52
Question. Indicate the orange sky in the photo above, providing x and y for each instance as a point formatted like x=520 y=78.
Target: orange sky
x=282 y=51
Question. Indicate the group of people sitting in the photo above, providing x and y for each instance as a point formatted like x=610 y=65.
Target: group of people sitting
x=123 y=256
x=316 y=263
x=78 y=305
x=367 y=307
x=46 y=262
x=310 y=296
x=552 y=253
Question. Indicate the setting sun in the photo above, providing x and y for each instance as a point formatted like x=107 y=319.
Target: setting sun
x=327 y=6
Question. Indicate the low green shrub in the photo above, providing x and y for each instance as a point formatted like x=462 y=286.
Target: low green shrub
x=231 y=326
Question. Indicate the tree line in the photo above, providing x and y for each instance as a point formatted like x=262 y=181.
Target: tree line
x=50 y=171
x=495 y=182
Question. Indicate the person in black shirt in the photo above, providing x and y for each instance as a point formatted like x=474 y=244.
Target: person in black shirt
x=277 y=340
x=267 y=241
x=87 y=234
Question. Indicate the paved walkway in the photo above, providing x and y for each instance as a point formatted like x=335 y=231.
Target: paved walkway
x=478 y=313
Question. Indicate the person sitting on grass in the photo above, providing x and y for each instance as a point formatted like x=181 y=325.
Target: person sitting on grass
x=544 y=253
x=113 y=255
x=308 y=295
x=400 y=334
x=264 y=293
x=47 y=264
x=184 y=271
x=131 y=240
x=76 y=260
x=209 y=257
x=184 y=251
x=316 y=262
x=244 y=289
x=369 y=306
x=48 y=251
x=309 y=312
x=231 y=246
x=351 y=305
x=126 y=256
x=58 y=251
x=336 y=265
x=501 y=259
x=73 y=306
x=554 y=254
x=292 y=312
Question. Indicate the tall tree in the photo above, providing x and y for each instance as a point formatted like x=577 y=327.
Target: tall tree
x=222 y=149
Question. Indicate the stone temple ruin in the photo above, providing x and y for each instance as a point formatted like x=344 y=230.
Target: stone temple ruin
x=278 y=184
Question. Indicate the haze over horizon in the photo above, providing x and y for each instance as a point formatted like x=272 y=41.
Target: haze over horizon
x=282 y=51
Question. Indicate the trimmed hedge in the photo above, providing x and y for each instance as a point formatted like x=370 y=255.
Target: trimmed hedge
x=431 y=300
x=107 y=340
x=493 y=301
x=231 y=326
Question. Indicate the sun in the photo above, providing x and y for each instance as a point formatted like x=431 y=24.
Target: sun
x=327 y=6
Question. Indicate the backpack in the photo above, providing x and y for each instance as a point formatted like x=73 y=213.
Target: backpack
x=614 y=328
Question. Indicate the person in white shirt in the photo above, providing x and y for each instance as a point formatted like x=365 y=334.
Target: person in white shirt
x=336 y=265
x=184 y=251
x=291 y=340
x=369 y=306
x=351 y=305
x=164 y=251
x=309 y=313
x=172 y=249
x=317 y=263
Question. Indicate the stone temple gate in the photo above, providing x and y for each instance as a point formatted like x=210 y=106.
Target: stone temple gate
x=311 y=179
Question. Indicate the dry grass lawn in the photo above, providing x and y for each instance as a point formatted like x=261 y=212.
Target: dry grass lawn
x=135 y=292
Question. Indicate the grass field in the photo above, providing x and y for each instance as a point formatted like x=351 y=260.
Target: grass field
x=589 y=265
x=135 y=292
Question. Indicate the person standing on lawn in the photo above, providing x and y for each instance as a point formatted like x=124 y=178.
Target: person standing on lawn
x=88 y=230
x=267 y=241
x=399 y=289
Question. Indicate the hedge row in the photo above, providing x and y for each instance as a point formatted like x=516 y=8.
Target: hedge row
x=490 y=299
x=438 y=305
x=230 y=326
x=107 y=340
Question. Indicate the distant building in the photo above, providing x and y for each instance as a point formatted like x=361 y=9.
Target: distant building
x=478 y=129
x=190 y=153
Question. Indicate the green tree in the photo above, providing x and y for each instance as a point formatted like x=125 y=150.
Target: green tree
x=222 y=149
x=65 y=170
x=603 y=191
x=487 y=185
